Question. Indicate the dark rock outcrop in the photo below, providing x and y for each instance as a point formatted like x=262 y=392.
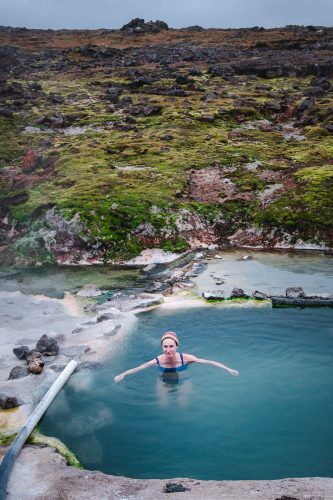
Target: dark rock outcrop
x=21 y=352
x=18 y=372
x=48 y=346
x=9 y=402
x=139 y=25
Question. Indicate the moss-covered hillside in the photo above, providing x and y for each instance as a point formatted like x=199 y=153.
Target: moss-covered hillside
x=116 y=140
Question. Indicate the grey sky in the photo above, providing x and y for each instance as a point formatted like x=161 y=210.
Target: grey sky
x=93 y=14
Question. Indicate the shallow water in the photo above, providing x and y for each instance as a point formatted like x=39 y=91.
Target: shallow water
x=270 y=272
x=273 y=421
x=53 y=281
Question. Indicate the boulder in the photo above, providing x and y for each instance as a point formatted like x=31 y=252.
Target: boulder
x=18 y=372
x=216 y=295
x=295 y=292
x=259 y=295
x=47 y=346
x=36 y=365
x=8 y=402
x=34 y=354
x=238 y=293
x=175 y=488
x=21 y=352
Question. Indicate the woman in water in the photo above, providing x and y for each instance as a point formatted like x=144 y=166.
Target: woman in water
x=172 y=361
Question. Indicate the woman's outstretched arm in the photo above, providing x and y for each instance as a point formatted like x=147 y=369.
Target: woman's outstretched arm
x=193 y=359
x=120 y=377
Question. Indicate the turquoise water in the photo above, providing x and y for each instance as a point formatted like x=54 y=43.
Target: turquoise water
x=273 y=421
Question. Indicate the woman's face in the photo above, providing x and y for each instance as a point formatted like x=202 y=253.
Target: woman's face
x=169 y=347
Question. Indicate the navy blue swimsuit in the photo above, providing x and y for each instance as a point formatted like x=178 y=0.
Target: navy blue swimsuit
x=175 y=369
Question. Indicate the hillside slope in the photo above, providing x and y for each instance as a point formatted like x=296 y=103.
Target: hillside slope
x=117 y=140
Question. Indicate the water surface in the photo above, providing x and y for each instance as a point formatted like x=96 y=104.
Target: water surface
x=273 y=421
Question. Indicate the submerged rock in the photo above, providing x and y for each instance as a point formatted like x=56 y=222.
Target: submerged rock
x=89 y=291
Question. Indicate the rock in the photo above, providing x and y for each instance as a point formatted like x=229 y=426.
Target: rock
x=238 y=293
x=90 y=308
x=34 y=354
x=6 y=112
x=216 y=295
x=21 y=352
x=295 y=293
x=157 y=287
x=301 y=302
x=217 y=256
x=47 y=346
x=18 y=372
x=246 y=257
x=114 y=313
x=89 y=291
x=36 y=365
x=259 y=295
x=175 y=487
x=8 y=402
x=138 y=25
x=152 y=110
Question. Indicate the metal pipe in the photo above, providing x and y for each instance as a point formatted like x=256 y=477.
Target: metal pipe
x=8 y=460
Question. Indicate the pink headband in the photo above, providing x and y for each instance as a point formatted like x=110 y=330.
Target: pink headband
x=170 y=335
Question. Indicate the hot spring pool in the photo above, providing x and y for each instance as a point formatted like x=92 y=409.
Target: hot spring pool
x=273 y=421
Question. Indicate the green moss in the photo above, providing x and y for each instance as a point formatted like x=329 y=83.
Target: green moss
x=6 y=439
x=36 y=438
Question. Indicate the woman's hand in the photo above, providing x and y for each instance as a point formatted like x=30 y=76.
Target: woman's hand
x=118 y=378
x=234 y=373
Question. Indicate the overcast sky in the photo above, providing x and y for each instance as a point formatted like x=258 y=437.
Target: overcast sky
x=93 y=14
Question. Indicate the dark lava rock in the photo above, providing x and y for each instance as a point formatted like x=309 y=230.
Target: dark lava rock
x=259 y=295
x=47 y=346
x=113 y=94
x=286 y=497
x=6 y=112
x=106 y=316
x=223 y=70
x=138 y=25
x=166 y=137
x=238 y=293
x=21 y=352
x=8 y=402
x=329 y=128
x=174 y=488
x=295 y=292
x=152 y=110
x=18 y=372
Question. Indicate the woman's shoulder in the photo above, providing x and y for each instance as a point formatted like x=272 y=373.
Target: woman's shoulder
x=189 y=358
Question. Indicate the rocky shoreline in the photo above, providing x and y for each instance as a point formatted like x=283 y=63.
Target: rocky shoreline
x=93 y=340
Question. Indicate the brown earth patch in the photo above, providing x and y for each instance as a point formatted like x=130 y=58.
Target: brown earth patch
x=211 y=185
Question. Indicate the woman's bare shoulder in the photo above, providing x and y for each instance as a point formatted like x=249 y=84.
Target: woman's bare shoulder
x=189 y=358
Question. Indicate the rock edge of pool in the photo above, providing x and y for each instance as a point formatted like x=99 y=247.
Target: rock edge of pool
x=41 y=472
